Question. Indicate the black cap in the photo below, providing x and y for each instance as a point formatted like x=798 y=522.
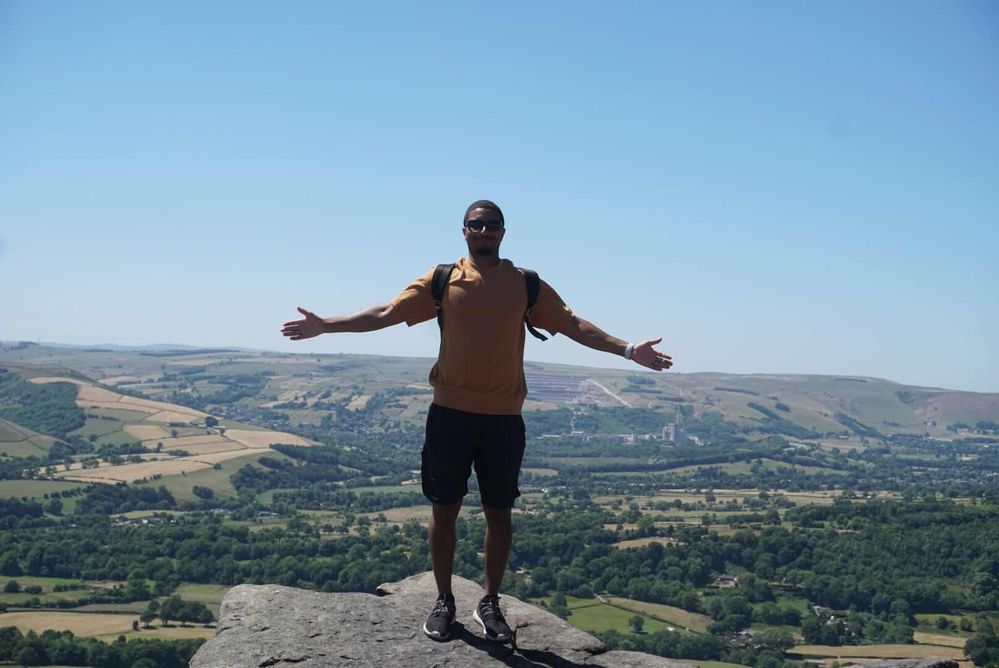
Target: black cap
x=483 y=204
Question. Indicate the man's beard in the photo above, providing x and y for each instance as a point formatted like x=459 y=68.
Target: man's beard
x=487 y=249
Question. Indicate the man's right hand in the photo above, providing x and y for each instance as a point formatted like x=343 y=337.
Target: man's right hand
x=311 y=325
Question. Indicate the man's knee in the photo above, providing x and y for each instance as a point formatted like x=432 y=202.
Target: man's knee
x=497 y=517
x=446 y=514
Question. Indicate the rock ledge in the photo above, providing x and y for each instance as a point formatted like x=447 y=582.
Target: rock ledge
x=269 y=625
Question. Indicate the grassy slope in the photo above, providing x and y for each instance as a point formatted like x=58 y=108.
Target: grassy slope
x=18 y=441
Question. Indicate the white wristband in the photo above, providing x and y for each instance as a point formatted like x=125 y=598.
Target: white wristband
x=629 y=351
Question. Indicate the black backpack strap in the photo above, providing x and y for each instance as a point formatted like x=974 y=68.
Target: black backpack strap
x=533 y=287
x=442 y=275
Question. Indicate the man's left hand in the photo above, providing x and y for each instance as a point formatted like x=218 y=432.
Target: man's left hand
x=644 y=354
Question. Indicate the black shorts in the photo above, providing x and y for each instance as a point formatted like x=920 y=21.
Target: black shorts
x=456 y=441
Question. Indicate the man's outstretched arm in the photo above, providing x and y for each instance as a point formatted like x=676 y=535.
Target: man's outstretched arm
x=585 y=332
x=376 y=317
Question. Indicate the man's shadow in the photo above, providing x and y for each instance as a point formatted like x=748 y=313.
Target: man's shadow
x=509 y=653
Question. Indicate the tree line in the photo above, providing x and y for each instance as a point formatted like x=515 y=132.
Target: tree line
x=64 y=648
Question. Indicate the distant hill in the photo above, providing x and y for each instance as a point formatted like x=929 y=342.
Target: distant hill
x=303 y=388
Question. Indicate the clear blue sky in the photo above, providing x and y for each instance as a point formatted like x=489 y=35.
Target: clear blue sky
x=769 y=186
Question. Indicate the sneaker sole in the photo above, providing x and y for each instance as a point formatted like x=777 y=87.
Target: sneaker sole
x=433 y=635
x=475 y=616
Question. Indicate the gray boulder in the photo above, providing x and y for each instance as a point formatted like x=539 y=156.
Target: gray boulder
x=270 y=625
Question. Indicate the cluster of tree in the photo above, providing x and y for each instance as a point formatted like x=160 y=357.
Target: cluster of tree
x=730 y=611
x=776 y=615
x=896 y=556
x=944 y=469
x=881 y=570
x=275 y=473
x=48 y=408
x=674 y=644
x=177 y=609
x=324 y=496
x=856 y=426
x=595 y=446
x=16 y=513
x=684 y=456
x=375 y=454
x=621 y=420
x=736 y=390
x=772 y=423
x=108 y=451
x=983 y=647
x=113 y=499
x=870 y=470
x=556 y=421
x=236 y=387
x=712 y=427
x=982 y=427
x=765 y=650
x=14 y=587
x=856 y=628
x=65 y=649
x=201 y=549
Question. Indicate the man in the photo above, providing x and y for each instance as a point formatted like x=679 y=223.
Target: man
x=479 y=390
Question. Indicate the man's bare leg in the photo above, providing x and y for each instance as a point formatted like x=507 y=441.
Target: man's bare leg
x=442 y=540
x=499 y=535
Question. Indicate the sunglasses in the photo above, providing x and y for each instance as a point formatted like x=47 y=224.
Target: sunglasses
x=482 y=225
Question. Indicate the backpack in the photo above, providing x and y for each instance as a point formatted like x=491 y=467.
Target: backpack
x=442 y=276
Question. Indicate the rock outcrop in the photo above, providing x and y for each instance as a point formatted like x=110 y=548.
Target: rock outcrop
x=269 y=625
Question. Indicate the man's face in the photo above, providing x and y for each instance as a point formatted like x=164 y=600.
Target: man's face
x=481 y=233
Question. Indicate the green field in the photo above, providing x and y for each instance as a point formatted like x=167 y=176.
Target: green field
x=135 y=607
x=593 y=616
x=182 y=486
x=23 y=448
x=47 y=597
x=885 y=651
x=94 y=426
x=43 y=582
x=947 y=640
x=106 y=627
x=540 y=472
x=795 y=631
x=927 y=624
x=18 y=441
x=677 y=617
x=35 y=489
x=799 y=603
